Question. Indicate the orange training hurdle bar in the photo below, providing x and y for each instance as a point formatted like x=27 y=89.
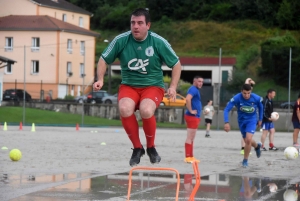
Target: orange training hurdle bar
x=156 y=169
x=198 y=180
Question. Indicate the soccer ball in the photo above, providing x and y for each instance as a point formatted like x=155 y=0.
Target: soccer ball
x=291 y=153
x=207 y=110
x=275 y=116
x=290 y=195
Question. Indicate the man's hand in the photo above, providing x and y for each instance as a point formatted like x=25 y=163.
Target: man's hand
x=194 y=112
x=172 y=94
x=226 y=127
x=259 y=124
x=98 y=85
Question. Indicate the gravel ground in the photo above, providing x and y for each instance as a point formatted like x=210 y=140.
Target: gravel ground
x=54 y=150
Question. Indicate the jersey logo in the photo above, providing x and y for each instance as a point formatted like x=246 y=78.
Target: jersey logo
x=149 y=51
x=247 y=109
x=138 y=65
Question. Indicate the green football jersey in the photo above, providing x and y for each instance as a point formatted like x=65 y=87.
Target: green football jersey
x=141 y=61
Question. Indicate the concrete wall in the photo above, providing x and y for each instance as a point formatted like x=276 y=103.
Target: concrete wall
x=163 y=114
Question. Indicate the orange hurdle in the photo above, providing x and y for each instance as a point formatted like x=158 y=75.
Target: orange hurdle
x=198 y=180
x=156 y=169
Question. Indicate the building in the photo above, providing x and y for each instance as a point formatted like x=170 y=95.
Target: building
x=53 y=45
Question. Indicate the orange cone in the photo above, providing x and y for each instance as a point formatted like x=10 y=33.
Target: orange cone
x=21 y=126
x=77 y=127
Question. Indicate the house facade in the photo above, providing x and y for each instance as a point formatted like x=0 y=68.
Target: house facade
x=52 y=45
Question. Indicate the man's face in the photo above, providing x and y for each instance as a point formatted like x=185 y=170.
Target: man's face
x=272 y=94
x=198 y=82
x=139 y=28
x=246 y=94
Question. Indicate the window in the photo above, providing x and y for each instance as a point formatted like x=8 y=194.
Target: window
x=69 y=68
x=35 y=47
x=82 y=47
x=64 y=17
x=69 y=48
x=8 y=69
x=35 y=67
x=222 y=177
x=80 y=21
x=81 y=69
x=9 y=44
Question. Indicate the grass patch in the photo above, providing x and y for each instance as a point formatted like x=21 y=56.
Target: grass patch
x=14 y=115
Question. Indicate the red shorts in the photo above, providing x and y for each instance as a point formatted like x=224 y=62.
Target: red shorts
x=191 y=121
x=137 y=94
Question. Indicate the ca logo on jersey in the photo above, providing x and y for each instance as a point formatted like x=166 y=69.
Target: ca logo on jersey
x=138 y=65
x=247 y=109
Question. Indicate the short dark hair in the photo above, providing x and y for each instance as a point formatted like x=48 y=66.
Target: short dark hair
x=141 y=12
x=208 y=100
x=270 y=91
x=246 y=87
x=197 y=76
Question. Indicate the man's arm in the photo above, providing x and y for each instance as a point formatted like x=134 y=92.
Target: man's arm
x=101 y=69
x=260 y=110
x=176 y=71
x=189 y=104
x=297 y=110
x=228 y=107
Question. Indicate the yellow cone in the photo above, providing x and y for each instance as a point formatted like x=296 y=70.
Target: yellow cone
x=33 y=128
x=5 y=126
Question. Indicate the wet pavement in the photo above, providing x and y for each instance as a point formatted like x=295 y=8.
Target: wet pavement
x=147 y=185
x=65 y=164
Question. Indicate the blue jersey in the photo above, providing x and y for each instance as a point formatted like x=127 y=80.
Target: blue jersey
x=246 y=108
x=195 y=102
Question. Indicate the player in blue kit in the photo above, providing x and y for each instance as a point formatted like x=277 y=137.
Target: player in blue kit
x=192 y=117
x=247 y=104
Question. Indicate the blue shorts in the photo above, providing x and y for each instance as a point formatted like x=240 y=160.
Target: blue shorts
x=247 y=127
x=267 y=125
x=296 y=124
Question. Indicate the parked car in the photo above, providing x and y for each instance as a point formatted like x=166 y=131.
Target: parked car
x=16 y=95
x=113 y=99
x=96 y=96
x=180 y=101
x=286 y=105
x=81 y=99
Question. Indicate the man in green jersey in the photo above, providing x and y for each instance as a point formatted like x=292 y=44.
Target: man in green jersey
x=141 y=53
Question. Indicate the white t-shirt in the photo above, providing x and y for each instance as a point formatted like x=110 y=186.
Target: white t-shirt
x=210 y=113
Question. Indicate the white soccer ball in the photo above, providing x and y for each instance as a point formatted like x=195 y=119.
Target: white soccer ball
x=272 y=187
x=275 y=116
x=290 y=195
x=291 y=153
x=207 y=110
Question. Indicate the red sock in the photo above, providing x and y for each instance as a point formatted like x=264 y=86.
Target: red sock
x=188 y=150
x=149 y=126
x=271 y=145
x=192 y=149
x=187 y=179
x=131 y=127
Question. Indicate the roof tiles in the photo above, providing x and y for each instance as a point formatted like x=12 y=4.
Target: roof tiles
x=40 y=23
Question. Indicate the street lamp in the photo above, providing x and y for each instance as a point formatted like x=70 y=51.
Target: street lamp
x=108 y=72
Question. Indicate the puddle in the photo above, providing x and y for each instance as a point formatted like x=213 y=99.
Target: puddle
x=150 y=186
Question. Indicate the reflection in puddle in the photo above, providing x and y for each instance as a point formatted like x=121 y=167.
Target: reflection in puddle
x=152 y=186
